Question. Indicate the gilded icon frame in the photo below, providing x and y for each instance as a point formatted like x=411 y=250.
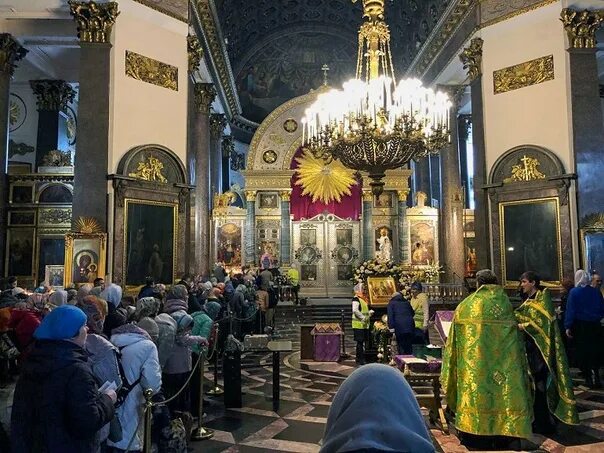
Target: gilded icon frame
x=377 y=287
x=505 y=246
x=75 y=243
x=589 y=263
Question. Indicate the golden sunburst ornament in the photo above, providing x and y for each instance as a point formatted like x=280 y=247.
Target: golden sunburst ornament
x=87 y=225
x=324 y=182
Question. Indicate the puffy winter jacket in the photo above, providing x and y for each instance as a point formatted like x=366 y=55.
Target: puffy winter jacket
x=139 y=359
x=57 y=407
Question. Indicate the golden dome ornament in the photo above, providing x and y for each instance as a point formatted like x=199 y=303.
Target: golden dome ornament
x=323 y=181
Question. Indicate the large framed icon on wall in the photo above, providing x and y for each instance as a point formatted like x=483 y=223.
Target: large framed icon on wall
x=85 y=257
x=530 y=240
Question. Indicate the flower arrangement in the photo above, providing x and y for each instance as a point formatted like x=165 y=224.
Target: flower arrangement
x=381 y=338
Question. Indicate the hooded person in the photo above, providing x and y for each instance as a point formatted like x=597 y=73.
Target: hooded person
x=72 y=296
x=150 y=326
x=66 y=413
x=102 y=354
x=395 y=423
x=203 y=320
x=146 y=307
x=116 y=316
x=140 y=363
x=24 y=322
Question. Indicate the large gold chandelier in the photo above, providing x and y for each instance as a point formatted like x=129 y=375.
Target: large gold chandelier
x=374 y=124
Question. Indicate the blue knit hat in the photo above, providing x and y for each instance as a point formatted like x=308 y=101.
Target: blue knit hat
x=62 y=323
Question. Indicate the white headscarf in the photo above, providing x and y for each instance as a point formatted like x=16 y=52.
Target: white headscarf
x=358 y=288
x=581 y=278
x=363 y=417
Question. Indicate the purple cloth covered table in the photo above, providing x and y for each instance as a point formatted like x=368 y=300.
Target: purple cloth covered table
x=443 y=320
x=416 y=365
x=327 y=337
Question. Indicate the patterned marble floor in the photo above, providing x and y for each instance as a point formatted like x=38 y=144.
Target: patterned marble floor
x=306 y=395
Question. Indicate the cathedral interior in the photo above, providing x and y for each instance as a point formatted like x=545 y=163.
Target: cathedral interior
x=157 y=138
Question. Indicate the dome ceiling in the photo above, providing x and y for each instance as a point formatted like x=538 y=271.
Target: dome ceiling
x=277 y=49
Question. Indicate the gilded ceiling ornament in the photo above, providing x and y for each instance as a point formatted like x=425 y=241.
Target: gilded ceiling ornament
x=471 y=57
x=56 y=158
x=290 y=125
x=150 y=170
x=52 y=95
x=10 y=52
x=524 y=74
x=323 y=182
x=195 y=52
x=94 y=20
x=204 y=93
x=151 y=71
x=269 y=156
x=581 y=27
x=526 y=170
x=87 y=225
x=218 y=122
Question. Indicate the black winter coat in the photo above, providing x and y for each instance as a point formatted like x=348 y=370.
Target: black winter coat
x=400 y=315
x=57 y=407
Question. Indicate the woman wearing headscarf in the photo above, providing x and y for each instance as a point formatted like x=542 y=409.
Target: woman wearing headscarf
x=84 y=291
x=360 y=321
x=146 y=307
x=58 y=298
x=116 y=316
x=362 y=418
x=584 y=310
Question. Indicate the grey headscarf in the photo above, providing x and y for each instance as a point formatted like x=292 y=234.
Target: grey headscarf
x=362 y=417
x=83 y=291
x=112 y=294
x=178 y=292
x=581 y=278
x=146 y=307
x=58 y=298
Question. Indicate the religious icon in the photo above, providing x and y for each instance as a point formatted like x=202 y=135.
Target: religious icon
x=54 y=276
x=422 y=242
x=84 y=257
x=384 y=200
x=228 y=244
x=308 y=272
x=20 y=251
x=84 y=266
x=470 y=253
x=345 y=272
x=268 y=200
x=384 y=244
x=380 y=290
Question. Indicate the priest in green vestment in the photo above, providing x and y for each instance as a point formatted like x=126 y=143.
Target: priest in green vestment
x=485 y=371
x=547 y=357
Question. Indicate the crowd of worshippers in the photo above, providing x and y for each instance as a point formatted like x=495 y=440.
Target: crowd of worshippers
x=83 y=357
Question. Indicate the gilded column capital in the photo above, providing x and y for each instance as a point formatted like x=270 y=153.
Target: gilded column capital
x=471 y=57
x=195 y=52
x=52 y=95
x=204 y=93
x=250 y=195
x=581 y=27
x=94 y=20
x=10 y=52
x=455 y=93
x=285 y=195
x=402 y=194
x=217 y=124
x=227 y=145
x=367 y=195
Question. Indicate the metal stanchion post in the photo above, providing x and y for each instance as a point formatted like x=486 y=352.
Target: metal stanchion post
x=276 y=383
x=148 y=417
x=216 y=390
x=201 y=433
x=344 y=354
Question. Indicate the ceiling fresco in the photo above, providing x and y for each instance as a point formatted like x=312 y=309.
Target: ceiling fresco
x=277 y=48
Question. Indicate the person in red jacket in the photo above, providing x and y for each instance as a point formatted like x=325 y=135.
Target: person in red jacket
x=24 y=322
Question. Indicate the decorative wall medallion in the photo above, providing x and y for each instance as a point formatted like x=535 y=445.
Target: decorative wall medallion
x=290 y=125
x=150 y=170
x=55 y=216
x=151 y=71
x=18 y=149
x=526 y=170
x=17 y=112
x=269 y=156
x=524 y=74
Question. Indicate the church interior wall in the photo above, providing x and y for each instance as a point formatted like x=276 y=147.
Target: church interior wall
x=27 y=132
x=141 y=112
x=235 y=176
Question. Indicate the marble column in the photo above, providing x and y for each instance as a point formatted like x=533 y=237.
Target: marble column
x=435 y=180
x=199 y=175
x=52 y=96
x=94 y=24
x=285 y=228
x=250 y=228
x=368 y=234
x=422 y=178
x=451 y=212
x=464 y=123
x=217 y=125
x=10 y=53
x=471 y=57
x=586 y=109
x=228 y=148
x=403 y=246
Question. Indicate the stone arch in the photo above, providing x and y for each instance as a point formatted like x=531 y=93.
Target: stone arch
x=549 y=164
x=55 y=193
x=173 y=168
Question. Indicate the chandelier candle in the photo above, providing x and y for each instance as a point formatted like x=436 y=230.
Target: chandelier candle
x=374 y=124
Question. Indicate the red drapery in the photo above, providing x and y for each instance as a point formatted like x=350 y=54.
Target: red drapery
x=302 y=206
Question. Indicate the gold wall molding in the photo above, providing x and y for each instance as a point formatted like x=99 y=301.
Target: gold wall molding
x=52 y=95
x=94 y=20
x=177 y=9
x=594 y=221
x=150 y=170
x=526 y=170
x=268 y=179
x=250 y=195
x=195 y=52
x=471 y=57
x=285 y=195
x=581 y=27
x=524 y=74
x=10 y=52
x=495 y=11
x=204 y=94
x=151 y=71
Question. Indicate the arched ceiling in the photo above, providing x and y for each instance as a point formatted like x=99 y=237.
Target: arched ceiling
x=277 y=48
